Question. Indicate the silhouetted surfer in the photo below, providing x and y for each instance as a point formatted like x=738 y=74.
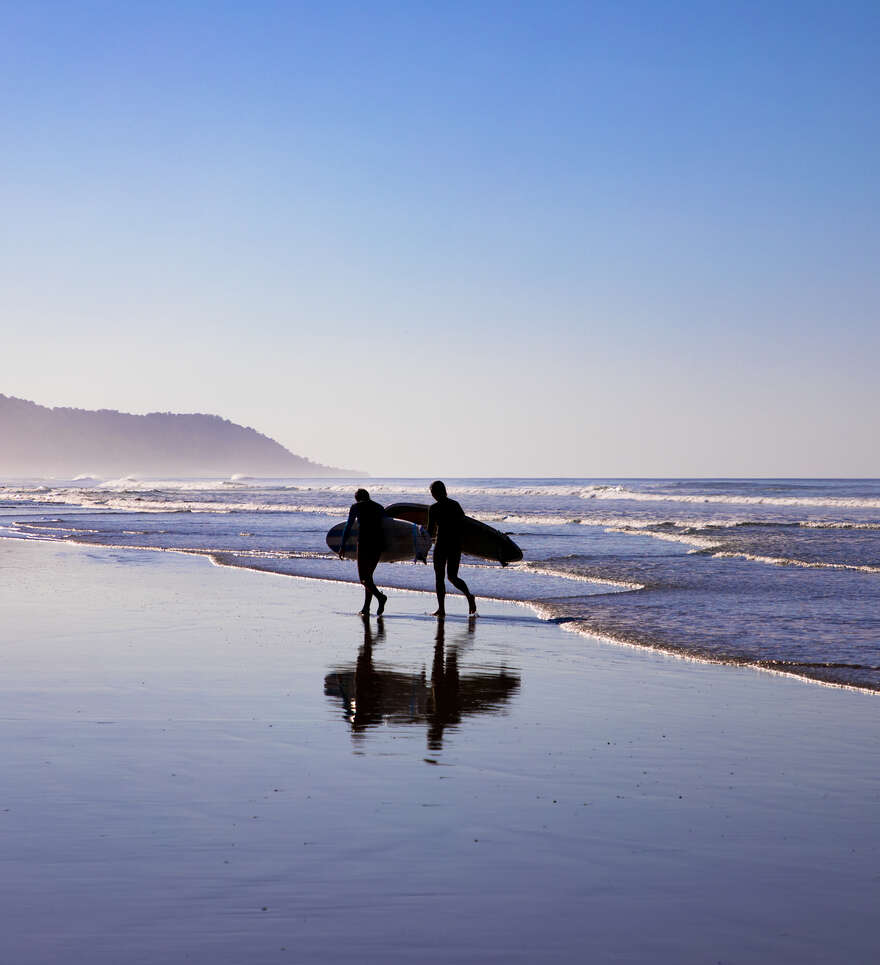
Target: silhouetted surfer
x=445 y=521
x=371 y=542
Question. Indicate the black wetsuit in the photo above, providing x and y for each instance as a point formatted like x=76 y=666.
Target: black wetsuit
x=371 y=540
x=445 y=521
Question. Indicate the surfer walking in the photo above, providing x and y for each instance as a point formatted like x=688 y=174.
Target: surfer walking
x=371 y=542
x=445 y=522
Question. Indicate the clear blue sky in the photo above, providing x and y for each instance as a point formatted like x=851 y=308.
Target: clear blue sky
x=457 y=238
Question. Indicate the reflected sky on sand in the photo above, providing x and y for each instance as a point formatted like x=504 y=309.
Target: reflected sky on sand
x=373 y=693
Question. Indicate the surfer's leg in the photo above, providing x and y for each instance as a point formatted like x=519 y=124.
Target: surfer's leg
x=452 y=565
x=374 y=562
x=368 y=597
x=380 y=596
x=367 y=563
x=439 y=582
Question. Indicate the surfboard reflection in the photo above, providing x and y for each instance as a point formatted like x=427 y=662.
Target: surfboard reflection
x=374 y=695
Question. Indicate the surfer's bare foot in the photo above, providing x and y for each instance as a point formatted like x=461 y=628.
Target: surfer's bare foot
x=363 y=613
x=472 y=606
x=382 y=601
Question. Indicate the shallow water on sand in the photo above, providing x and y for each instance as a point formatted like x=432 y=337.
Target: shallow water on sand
x=779 y=574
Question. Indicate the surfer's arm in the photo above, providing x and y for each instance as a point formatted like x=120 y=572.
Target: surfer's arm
x=432 y=522
x=347 y=530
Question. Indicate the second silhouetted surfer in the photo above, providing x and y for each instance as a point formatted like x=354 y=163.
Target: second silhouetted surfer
x=445 y=522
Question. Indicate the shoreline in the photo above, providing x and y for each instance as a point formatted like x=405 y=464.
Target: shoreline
x=569 y=624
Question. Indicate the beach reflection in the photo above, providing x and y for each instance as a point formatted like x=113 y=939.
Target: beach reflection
x=374 y=694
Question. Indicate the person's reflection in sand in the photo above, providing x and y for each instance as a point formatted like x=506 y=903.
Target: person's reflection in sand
x=365 y=699
x=443 y=707
x=374 y=695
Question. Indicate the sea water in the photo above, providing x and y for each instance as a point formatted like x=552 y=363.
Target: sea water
x=780 y=574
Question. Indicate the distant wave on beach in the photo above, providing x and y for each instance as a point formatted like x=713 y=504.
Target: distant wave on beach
x=778 y=574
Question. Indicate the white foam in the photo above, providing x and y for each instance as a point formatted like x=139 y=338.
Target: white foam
x=420 y=487
x=828 y=524
x=836 y=502
x=123 y=483
x=145 y=505
x=25 y=528
x=806 y=564
x=689 y=539
x=583 y=578
x=138 y=500
x=583 y=629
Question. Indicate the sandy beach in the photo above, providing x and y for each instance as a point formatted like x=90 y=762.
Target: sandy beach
x=213 y=765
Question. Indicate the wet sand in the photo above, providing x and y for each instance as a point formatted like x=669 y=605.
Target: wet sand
x=215 y=765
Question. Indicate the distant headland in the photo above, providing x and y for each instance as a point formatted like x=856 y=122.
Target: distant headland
x=40 y=441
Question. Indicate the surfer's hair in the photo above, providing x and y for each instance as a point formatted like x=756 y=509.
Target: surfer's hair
x=361 y=495
x=438 y=489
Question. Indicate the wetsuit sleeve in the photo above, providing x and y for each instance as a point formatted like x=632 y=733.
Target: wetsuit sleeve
x=352 y=515
x=432 y=521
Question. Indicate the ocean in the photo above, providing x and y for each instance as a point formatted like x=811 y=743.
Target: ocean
x=780 y=574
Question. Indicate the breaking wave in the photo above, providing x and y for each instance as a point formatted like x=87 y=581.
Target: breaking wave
x=731 y=499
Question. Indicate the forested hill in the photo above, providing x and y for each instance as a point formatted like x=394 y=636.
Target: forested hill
x=39 y=441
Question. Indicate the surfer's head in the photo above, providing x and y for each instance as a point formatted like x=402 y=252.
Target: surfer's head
x=361 y=495
x=438 y=490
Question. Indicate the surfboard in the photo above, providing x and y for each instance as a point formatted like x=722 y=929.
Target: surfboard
x=477 y=539
x=403 y=541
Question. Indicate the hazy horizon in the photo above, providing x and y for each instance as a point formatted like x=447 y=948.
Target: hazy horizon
x=551 y=240
x=147 y=471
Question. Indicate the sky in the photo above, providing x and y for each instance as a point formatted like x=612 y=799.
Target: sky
x=455 y=239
